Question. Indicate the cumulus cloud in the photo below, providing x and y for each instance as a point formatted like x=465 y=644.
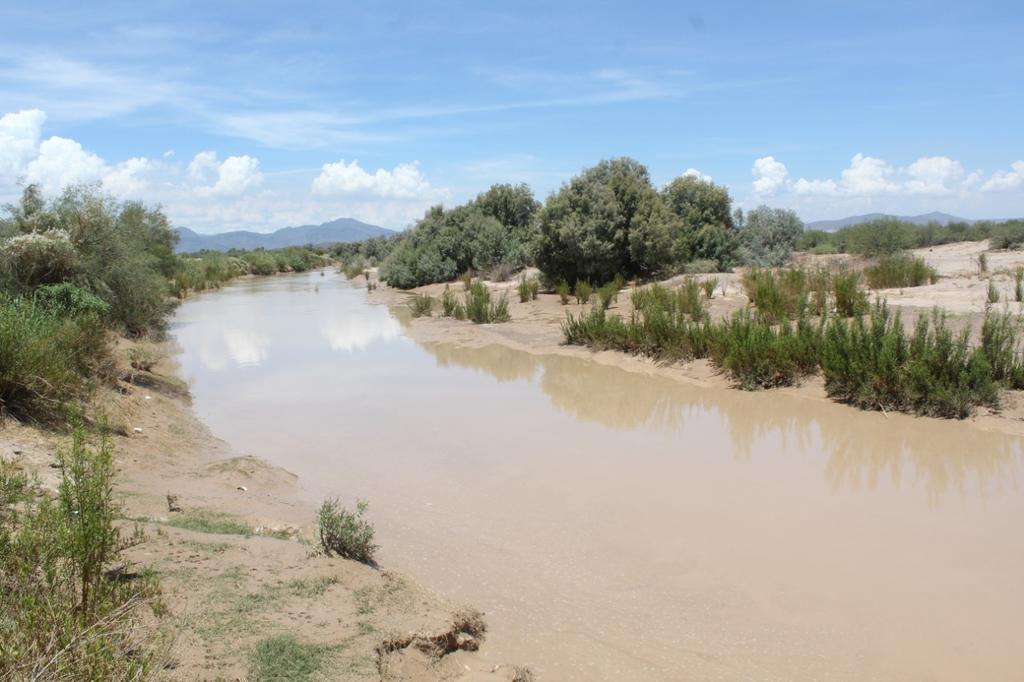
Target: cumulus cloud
x=935 y=175
x=61 y=162
x=867 y=175
x=404 y=181
x=694 y=173
x=1004 y=180
x=20 y=133
x=234 y=175
x=769 y=176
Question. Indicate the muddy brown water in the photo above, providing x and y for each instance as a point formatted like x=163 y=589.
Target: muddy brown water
x=625 y=526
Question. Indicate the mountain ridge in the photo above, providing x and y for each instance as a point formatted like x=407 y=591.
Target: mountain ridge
x=922 y=219
x=333 y=231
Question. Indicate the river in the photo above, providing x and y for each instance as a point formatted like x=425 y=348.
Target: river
x=624 y=526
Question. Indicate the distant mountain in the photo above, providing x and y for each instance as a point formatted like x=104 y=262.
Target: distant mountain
x=923 y=219
x=340 y=230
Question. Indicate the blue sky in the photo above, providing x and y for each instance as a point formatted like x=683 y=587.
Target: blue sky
x=259 y=115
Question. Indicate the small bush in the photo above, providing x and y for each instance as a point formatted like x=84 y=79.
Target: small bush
x=480 y=309
x=982 y=263
x=69 y=300
x=757 y=355
x=849 y=298
x=524 y=290
x=421 y=305
x=1000 y=342
x=777 y=295
x=563 y=291
x=993 y=293
x=709 y=286
x=448 y=302
x=534 y=289
x=583 y=291
x=467 y=279
x=609 y=293
x=62 y=617
x=901 y=270
x=1008 y=236
x=346 y=533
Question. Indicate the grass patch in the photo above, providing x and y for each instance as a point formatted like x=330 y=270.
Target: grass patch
x=479 y=308
x=283 y=658
x=421 y=305
x=899 y=271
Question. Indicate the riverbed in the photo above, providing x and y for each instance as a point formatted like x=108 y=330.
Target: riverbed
x=617 y=525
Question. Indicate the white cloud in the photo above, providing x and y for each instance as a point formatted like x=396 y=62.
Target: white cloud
x=127 y=179
x=19 y=137
x=234 y=175
x=1004 y=180
x=805 y=187
x=934 y=175
x=867 y=176
x=202 y=166
x=404 y=181
x=769 y=176
x=694 y=173
x=61 y=162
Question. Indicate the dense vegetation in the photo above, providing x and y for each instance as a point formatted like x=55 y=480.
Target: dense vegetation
x=485 y=234
x=871 y=363
x=890 y=236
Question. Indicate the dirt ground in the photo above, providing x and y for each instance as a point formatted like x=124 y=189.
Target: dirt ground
x=535 y=326
x=257 y=574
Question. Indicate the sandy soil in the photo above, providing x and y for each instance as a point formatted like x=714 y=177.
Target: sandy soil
x=535 y=326
x=226 y=592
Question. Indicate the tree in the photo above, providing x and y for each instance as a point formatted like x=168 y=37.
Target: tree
x=769 y=236
x=511 y=205
x=703 y=227
x=608 y=220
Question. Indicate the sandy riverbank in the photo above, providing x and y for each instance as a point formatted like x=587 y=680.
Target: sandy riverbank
x=535 y=326
x=225 y=592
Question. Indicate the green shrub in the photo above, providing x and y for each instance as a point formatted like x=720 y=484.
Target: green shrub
x=1018 y=285
x=757 y=355
x=563 y=291
x=583 y=291
x=883 y=237
x=448 y=302
x=609 y=292
x=480 y=309
x=346 y=533
x=900 y=270
x=849 y=298
x=1000 y=342
x=777 y=295
x=501 y=272
x=709 y=286
x=534 y=289
x=982 y=263
x=993 y=293
x=1008 y=235
x=47 y=359
x=876 y=366
x=69 y=300
x=769 y=236
x=524 y=290
x=62 y=616
x=421 y=305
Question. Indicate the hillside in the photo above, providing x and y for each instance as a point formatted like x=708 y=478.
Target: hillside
x=340 y=230
x=923 y=219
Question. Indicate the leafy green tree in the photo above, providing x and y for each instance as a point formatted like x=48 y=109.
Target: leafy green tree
x=608 y=220
x=703 y=227
x=769 y=236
